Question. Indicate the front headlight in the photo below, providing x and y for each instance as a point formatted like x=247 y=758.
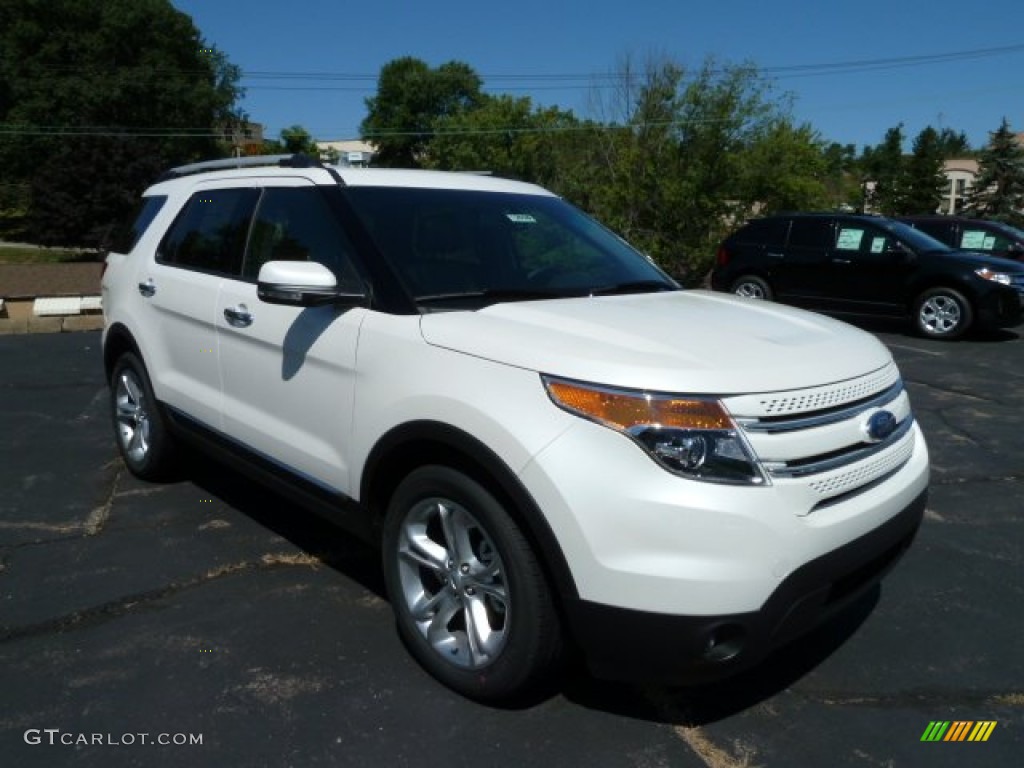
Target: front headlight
x=691 y=436
x=996 y=277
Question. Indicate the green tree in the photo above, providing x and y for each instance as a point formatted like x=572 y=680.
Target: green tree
x=953 y=143
x=885 y=173
x=411 y=97
x=297 y=140
x=784 y=168
x=998 y=192
x=504 y=135
x=842 y=176
x=96 y=99
x=925 y=181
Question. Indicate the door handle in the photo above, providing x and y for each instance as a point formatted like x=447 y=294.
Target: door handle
x=147 y=288
x=774 y=255
x=238 y=317
x=840 y=261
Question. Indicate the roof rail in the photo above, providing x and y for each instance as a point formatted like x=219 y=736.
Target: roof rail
x=297 y=160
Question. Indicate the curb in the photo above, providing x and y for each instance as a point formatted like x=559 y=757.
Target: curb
x=69 y=324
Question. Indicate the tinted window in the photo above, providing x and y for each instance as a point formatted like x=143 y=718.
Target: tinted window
x=974 y=238
x=771 y=232
x=210 y=232
x=856 y=238
x=125 y=237
x=461 y=242
x=919 y=242
x=297 y=224
x=940 y=230
x=811 y=232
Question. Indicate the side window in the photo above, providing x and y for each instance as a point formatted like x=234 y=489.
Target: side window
x=768 y=232
x=940 y=230
x=297 y=224
x=811 y=232
x=862 y=241
x=210 y=232
x=125 y=236
x=983 y=240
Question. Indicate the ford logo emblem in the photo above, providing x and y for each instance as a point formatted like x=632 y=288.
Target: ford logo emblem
x=879 y=426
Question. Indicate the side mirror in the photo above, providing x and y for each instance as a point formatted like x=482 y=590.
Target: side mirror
x=301 y=284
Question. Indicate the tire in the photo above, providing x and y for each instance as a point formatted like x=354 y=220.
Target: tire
x=469 y=596
x=942 y=313
x=752 y=287
x=140 y=428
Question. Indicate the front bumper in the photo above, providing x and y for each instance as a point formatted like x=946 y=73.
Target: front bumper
x=623 y=644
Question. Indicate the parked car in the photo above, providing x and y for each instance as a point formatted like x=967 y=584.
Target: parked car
x=869 y=265
x=992 y=237
x=553 y=445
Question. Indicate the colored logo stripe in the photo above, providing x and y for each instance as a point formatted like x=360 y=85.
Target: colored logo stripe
x=958 y=730
x=982 y=730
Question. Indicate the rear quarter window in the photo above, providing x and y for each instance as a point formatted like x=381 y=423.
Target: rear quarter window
x=128 y=233
x=771 y=232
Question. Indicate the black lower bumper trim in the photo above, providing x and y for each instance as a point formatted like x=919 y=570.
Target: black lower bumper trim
x=622 y=644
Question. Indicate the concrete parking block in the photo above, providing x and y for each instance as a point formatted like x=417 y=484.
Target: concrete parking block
x=83 y=323
x=44 y=324
x=13 y=325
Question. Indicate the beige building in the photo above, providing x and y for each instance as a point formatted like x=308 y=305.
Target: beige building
x=961 y=173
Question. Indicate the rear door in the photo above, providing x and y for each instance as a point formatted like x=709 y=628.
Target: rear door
x=289 y=372
x=180 y=286
x=802 y=273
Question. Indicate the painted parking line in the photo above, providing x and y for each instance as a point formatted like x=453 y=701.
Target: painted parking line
x=915 y=349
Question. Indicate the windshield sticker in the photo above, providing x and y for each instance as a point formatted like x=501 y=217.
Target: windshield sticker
x=849 y=239
x=990 y=243
x=877 y=244
x=521 y=218
x=973 y=238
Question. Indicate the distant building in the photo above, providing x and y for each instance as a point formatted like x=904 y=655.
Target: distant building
x=245 y=138
x=353 y=153
x=960 y=175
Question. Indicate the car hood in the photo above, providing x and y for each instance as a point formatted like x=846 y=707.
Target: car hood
x=978 y=259
x=683 y=341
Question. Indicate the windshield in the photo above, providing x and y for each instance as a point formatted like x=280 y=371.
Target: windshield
x=915 y=238
x=454 y=246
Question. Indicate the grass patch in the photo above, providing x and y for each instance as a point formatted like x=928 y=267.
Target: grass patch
x=31 y=254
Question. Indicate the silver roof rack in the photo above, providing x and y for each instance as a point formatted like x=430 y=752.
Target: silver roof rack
x=252 y=161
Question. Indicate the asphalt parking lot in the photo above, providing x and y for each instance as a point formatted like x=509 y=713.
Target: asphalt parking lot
x=141 y=613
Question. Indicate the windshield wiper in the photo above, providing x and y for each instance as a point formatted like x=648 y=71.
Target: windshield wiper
x=497 y=294
x=635 y=286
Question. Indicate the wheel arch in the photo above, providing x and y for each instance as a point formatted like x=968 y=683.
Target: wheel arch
x=118 y=340
x=421 y=443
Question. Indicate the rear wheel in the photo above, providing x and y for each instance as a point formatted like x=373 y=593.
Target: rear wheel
x=470 y=599
x=942 y=313
x=146 y=445
x=752 y=287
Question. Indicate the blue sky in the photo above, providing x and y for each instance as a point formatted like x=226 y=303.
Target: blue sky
x=550 y=50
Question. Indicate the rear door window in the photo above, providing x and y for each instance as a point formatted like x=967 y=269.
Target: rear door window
x=811 y=233
x=209 y=234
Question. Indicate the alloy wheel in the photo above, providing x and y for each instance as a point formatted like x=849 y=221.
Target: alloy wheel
x=453 y=583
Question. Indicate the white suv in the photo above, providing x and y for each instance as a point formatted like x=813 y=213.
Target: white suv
x=554 y=445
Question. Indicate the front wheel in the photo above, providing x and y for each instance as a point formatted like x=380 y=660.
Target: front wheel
x=942 y=313
x=752 y=287
x=470 y=599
